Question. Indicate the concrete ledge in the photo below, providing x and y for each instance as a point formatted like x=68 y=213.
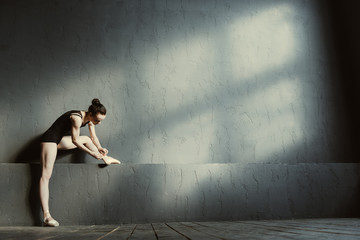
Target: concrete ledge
x=139 y=193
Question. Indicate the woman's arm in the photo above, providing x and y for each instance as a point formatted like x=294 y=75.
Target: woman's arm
x=75 y=133
x=95 y=139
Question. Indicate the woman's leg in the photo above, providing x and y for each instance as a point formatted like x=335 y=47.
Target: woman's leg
x=66 y=144
x=48 y=156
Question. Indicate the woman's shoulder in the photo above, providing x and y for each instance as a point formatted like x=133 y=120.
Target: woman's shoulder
x=76 y=119
x=78 y=113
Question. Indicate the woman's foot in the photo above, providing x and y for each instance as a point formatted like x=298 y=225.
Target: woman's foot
x=50 y=222
x=109 y=160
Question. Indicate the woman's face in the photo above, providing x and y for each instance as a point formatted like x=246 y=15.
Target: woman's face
x=97 y=118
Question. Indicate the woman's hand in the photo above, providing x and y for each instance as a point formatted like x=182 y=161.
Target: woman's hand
x=97 y=155
x=103 y=151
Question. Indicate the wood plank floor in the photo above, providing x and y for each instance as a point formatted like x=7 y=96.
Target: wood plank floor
x=270 y=229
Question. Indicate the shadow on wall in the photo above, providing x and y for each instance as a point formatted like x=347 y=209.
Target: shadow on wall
x=33 y=195
x=345 y=39
x=30 y=153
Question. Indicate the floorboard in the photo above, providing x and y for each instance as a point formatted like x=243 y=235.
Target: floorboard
x=344 y=229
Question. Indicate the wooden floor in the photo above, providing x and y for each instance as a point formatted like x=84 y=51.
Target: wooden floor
x=280 y=229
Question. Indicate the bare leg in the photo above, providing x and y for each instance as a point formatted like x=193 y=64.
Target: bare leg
x=48 y=156
x=66 y=144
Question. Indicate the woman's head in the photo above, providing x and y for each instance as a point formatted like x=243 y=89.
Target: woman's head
x=97 y=111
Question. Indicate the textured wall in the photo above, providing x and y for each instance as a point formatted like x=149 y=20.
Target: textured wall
x=219 y=109
x=87 y=194
x=184 y=81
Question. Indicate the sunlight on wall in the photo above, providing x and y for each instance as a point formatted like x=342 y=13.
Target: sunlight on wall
x=261 y=42
x=199 y=121
x=274 y=127
x=188 y=141
x=180 y=69
x=178 y=73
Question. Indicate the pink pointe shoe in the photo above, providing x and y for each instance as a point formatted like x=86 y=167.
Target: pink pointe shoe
x=50 y=222
x=109 y=160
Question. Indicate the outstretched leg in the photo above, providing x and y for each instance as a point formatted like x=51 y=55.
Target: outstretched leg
x=48 y=156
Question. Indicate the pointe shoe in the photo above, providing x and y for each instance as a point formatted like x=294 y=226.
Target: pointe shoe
x=50 y=222
x=109 y=160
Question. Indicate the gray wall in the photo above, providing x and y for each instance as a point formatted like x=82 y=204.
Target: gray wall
x=184 y=81
x=229 y=83
x=135 y=193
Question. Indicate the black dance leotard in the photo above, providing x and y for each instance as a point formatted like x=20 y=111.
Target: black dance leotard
x=61 y=127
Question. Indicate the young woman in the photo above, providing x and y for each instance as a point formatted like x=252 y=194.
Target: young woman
x=56 y=138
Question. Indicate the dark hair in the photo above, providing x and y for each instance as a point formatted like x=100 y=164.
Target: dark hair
x=96 y=107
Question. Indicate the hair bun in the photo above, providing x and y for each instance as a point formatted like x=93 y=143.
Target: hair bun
x=96 y=107
x=96 y=102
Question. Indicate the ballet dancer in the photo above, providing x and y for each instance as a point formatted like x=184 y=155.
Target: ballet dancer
x=57 y=138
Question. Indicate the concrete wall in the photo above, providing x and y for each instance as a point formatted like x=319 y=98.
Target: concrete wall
x=135 y=193
x=204 y=84
x=184 y=81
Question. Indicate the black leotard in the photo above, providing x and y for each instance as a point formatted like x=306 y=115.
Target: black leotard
x=61 y=127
